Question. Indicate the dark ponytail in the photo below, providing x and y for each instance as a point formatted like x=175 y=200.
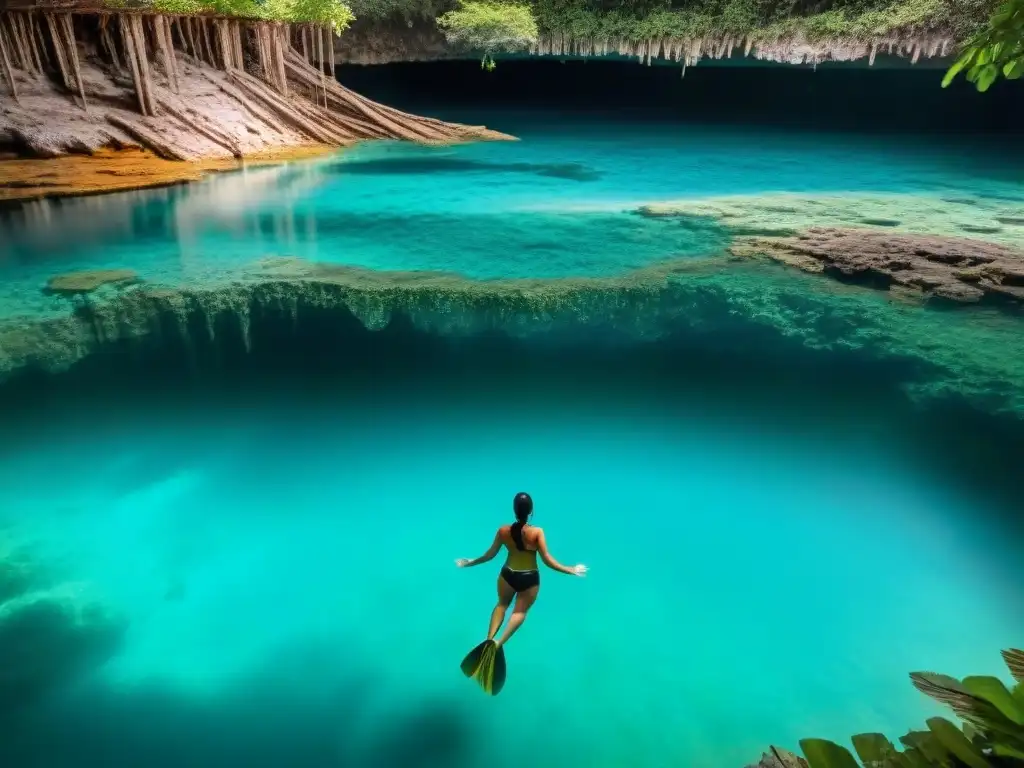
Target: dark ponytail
x=523 y=506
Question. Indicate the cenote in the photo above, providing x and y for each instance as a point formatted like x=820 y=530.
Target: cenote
x=263 y=459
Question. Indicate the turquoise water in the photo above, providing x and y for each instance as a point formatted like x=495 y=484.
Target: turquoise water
x=762 y=569
x=559 y=202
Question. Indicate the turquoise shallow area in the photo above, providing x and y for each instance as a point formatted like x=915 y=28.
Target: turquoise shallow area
x=556 y=203
x=763 y=568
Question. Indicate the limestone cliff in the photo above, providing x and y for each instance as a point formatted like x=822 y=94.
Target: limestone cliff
x=390 y=41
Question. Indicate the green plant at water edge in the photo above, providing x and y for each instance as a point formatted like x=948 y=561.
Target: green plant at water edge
x=992 y=735
x=996 y=50
x=490 y=27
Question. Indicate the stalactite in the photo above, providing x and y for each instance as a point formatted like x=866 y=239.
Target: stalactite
x=8 y=70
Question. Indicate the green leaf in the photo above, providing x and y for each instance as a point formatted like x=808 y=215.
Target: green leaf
x=826 y=754
x=875 y=751
x=929 y=746
x=993 y=691
x=1014 y=69
x=1004 y=750
x=953 y=739
x=986 y=77
x=916 y=759
x=956 y=67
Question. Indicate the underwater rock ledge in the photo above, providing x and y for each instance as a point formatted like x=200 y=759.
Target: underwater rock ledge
x=733 y=308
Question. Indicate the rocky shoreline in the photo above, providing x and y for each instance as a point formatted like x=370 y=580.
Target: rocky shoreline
x=959 y=249
x=90 y=82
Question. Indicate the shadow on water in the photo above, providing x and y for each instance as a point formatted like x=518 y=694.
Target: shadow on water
x=436 y=165
x=299 y=709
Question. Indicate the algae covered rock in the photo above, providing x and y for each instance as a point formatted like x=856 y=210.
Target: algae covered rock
x=87 y=281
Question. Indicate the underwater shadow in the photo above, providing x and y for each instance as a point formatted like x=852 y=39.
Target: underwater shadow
x=432 y=165
x=299 y=709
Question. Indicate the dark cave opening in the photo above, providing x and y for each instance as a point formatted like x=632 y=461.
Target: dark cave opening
x=844 y=97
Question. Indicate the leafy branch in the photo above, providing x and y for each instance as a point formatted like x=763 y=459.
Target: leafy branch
x=996 y=50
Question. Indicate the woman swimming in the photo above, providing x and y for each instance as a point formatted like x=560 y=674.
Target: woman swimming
x=520 y=579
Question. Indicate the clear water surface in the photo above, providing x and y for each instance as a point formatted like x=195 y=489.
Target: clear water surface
x=286 y=560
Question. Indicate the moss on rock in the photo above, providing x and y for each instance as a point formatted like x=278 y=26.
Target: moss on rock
x=87 y=281
x=714 y=302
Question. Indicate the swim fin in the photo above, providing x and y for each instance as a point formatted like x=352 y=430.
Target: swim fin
x=486 y=665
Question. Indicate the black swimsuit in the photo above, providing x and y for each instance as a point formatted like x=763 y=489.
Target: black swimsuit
x=520 y=580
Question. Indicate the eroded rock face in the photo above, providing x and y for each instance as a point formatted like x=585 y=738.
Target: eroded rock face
x=959 y=269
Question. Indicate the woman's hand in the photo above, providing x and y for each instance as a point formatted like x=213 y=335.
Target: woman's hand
x=579 y=570
x=462 y=562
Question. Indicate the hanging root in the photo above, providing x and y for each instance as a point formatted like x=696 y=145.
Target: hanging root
x=147 y=137
x=8 y=70
x=76 y=68
x=193 y=121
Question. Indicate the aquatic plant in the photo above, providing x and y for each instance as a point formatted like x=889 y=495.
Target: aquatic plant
x=996 y=50
x=490 y=27
x=992 y=734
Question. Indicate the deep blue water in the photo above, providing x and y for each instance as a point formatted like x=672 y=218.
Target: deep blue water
x=762 y=570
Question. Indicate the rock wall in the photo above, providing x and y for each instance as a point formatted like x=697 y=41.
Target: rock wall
x=420 y=40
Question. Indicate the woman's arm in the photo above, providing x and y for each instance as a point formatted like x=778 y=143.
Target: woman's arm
x=550 y=562
x=488 y=555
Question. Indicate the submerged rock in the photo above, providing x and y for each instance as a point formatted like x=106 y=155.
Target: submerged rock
x=87 y=281
x=959 y=269
x=48 y=637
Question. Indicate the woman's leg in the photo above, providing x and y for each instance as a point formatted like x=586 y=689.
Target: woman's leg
x=524 y=600
x=505 y=595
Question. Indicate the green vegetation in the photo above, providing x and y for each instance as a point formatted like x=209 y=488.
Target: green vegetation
x=637 y=20
x=489 y=27
x=992 y=735
x=333 y=13
x=996 y=50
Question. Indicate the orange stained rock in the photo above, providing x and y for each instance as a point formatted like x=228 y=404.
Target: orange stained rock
x=115 y=170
